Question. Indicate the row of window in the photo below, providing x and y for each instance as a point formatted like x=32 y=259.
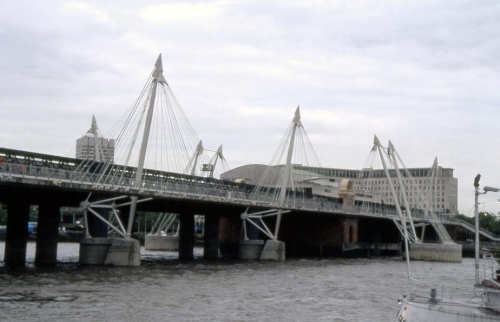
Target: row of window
x=396 y=183
x=407 y=181
x=398 y=190
x=420 y=199
x=366 y=174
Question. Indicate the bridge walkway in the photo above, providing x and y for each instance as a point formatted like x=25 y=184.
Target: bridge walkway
x=482 y=231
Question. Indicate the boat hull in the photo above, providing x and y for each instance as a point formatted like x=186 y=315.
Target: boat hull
x=443 y=312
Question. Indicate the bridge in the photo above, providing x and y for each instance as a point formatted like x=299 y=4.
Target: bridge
x=106 y=190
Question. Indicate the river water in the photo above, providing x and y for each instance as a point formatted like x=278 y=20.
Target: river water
x=164 y=289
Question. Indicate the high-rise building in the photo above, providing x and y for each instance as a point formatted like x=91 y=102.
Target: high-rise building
x=92 y=146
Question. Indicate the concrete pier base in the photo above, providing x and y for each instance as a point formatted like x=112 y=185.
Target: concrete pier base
x=93 y=251
x=186 y=238
x=110 y=251
x=435 y=252
x=124 y=252
x=165 y=243
x=47 y=234
x=250 y=249
x=273 y=250
x=211 y=238
x=16 y=238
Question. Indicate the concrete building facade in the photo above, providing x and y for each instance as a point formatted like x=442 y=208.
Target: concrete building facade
x=92 y=146
x=438 y=193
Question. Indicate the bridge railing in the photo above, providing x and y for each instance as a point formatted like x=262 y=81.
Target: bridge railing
x=472 y=228
x=180 y=188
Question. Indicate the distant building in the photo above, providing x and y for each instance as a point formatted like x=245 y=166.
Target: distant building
x=92 y=146
x=370 y=185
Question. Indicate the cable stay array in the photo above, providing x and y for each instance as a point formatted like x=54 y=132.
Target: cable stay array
x=169 y=140
x=389 y=186
x=155 y=146
x=162 y=225
x=283 y=181
x=283 y=184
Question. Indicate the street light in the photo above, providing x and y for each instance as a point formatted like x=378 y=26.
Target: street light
x=476 y=215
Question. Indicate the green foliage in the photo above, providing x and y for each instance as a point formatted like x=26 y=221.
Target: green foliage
x=3 y=214
x=470 y=220
x=487 y=220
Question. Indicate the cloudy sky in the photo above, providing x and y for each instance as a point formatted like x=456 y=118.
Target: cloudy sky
x=423 y=74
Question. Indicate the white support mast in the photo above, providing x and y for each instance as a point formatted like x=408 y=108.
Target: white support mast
x=288 y=165
x=213 y=163
x=431 y=188
x=396 y=203
x=157 y=78
x=288 y=170
x=391 y=152
x=194 y=159
x=376 y=142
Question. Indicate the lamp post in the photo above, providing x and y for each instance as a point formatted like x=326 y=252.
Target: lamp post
x=476 y=215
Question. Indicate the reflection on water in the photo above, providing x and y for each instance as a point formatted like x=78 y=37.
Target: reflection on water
x=164 y=289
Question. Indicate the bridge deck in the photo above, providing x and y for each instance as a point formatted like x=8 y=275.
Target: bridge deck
x=27 y=168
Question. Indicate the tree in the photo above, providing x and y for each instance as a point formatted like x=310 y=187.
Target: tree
x=487 y=220
x=3 y=214
x=470 y=220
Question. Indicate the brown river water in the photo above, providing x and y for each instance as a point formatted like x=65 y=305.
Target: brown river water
x=164 y=289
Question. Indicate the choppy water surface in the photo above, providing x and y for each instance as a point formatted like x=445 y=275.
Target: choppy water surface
x=163 y=289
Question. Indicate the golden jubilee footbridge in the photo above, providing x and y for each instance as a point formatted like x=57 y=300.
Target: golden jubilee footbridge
x=158 y=158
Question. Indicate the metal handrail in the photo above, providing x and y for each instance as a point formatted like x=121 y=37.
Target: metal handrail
x=181 y=188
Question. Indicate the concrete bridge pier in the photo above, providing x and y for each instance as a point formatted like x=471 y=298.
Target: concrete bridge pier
x=435 y=252
x=273 y=250
x=47 y=233
x=186 y=236
x=350 y=230
x=211 y=237
x=255 y=248
x=16 y=238
x=110 y=251
x=101 y=250
x=159 y=242
x=162 y=243
x=230 y=236
x=252 y=247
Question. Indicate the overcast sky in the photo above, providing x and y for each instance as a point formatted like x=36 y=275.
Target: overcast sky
x=423 y=74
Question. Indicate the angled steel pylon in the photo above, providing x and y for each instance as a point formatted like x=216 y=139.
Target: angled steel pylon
x=283 y=183
x=157 y=78
x=390 y=157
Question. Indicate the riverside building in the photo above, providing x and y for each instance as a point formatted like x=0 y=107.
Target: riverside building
x=438 y=192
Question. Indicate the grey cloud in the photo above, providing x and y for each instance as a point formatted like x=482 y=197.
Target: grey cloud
x=421 y=73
